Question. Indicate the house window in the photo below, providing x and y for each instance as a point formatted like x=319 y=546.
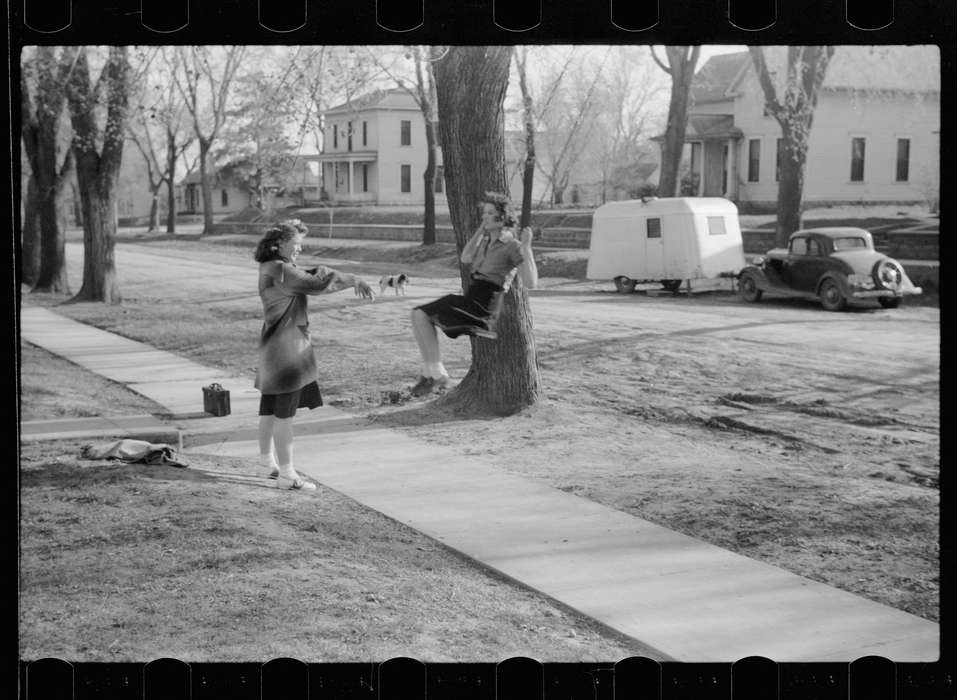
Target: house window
x=365 y=133
x=439 y=179
x=406 y=178
x=654 y=228
x=224 y=198
x=335 y=136
x=903 y=159
x=716 y=226
x=754 y=160
x=365 y=177
x=778 y=159
x=406 y=133
x=349 y=136
x=857 y=159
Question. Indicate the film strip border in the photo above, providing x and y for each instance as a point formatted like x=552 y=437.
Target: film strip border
x=870 y=678
x=230 y=18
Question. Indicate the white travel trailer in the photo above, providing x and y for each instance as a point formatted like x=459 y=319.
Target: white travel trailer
x=667 y=240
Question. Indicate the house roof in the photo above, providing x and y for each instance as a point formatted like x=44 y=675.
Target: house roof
x=712 y=126
x=907 y=68
x=715 y=77
x=396 y=98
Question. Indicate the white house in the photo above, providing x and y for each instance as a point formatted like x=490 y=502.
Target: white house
x=374 y=151
x=874 y=137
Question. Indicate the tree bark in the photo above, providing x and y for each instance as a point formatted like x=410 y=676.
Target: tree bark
x=41 y=125
x=205 y=187
x=154 y=207
x=681 y=67
x=98 y=170
x=171 y=157
x=528 y=172
x=471 y=82
x=98 y=201
x=428 y=177
x=806 y=67
x=30 y=235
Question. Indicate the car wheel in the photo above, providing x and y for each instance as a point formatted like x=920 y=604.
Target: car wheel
x=671 y=285
x=831 y=296
x=625 y=285
x=748 y=286
x=889 y=302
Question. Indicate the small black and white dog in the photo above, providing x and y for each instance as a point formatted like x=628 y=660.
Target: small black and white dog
x=397 y=282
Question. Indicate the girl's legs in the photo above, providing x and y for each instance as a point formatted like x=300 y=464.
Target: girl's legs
x=282 y=436
x=427 y=338
x=266 y=456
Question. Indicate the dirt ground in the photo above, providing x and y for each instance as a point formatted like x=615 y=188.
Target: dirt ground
x=804 y=439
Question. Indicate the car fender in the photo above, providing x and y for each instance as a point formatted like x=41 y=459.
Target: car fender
x=760 y=278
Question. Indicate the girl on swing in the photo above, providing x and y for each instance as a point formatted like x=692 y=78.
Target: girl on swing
x=494 y=255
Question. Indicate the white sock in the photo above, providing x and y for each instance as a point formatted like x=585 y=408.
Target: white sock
x=268 y=461
x=287 y=472
x=435 y=370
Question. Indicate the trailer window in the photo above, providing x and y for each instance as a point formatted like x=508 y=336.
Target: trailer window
x=654 y=228
x=716 y=226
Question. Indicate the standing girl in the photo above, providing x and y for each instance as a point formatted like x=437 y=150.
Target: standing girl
x=287 y=372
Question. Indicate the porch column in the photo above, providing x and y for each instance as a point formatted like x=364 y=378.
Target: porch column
x=349 y=189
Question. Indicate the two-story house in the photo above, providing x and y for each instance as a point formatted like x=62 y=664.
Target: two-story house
x=874 y=137
x=374 y=151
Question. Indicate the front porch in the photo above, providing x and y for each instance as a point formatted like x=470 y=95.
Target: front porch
x=348 y=177
x=713 y=141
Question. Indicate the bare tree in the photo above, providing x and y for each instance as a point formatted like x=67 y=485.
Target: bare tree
x=98 y=150
x=51 y=162
x=681 y=66
x=568 y=119
x=470 y=86
x=794 y=111
x=422 y=90
x=629 y=87
x=204 y=83
x=528 y=121
x=158 y=130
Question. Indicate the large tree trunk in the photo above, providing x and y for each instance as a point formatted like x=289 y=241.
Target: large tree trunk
x=528 y=173
x=98 y=201
x=30 y=235
x=428 y=177
x=790 y=192
x=681 y=66
x=471 y=84
x=206 y=188
x=98 y=171
x=170 y=187
x=51 y=276
x=794 y=112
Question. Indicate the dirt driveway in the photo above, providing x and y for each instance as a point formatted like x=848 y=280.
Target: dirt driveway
x=799 y=437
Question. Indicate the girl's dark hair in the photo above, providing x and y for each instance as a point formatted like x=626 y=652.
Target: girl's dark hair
x=274 y=236
x=502 y=205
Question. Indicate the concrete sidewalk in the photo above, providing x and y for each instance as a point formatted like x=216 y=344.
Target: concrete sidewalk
x=684 y=598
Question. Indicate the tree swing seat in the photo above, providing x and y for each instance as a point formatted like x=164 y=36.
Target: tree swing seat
x=483 y=326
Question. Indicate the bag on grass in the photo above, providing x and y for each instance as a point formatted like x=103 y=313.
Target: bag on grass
x=134 y=452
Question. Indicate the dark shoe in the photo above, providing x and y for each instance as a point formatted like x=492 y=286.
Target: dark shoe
x=296 y=483
x=423 y=386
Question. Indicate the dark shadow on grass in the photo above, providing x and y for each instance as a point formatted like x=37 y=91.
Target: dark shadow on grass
x=430 y=413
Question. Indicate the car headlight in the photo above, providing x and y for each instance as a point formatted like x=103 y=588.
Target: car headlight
x=861 y=281
x=758 y=260
x=889 y=274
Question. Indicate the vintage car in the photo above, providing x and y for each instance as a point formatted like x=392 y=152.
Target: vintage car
x=836 y=265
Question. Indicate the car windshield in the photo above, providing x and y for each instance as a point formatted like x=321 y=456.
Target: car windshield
x=849 y=243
